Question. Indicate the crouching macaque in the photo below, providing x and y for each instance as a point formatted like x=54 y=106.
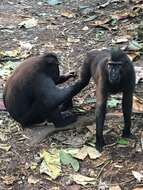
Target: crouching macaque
x=31 y=95
x=112 y=72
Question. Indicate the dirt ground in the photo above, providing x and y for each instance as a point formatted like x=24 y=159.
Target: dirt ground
x=66 y=30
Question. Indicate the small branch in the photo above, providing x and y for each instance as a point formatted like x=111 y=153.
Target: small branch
x=108 y=162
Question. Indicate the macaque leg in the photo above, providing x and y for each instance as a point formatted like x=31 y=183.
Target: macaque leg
x=101 y=99
x=127 y=111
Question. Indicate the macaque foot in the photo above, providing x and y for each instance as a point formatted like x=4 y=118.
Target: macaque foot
x=100 y=144
x=130 y=135
x=68 y=118
x=127 y=133
x=66 y=106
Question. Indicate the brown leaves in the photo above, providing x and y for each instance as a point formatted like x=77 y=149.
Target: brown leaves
x=137 y=104
x=8 y=180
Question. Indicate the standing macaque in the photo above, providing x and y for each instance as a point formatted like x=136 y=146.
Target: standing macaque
x=112 y=72
x=31 y=95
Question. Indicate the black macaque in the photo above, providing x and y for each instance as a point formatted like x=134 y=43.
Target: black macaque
x=112 y=72
x=31 y=95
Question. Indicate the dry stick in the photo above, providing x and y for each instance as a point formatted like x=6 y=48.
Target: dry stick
x=108 y=162
x=54 y=182
x=36 y=135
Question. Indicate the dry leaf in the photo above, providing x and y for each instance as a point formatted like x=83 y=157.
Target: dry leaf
x=137 y=175
x=100 y=22
x=51 y=164
x=139 y=74
x=134 y=56
x=83 y=180
x=33 y=165
x=28 y=23
x=8 y=180
x=33 y=180
x=121 y=39
x=137 y=104
x=68 y=14
x=5 y=147
x=115 y=187
x=85 y=28
x=73 y=40
x=91 y=128
x=87 y=150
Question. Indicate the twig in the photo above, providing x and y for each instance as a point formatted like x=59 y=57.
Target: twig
x=123 y=183
x=108 y=162
x=54 y=182
x=110 y=145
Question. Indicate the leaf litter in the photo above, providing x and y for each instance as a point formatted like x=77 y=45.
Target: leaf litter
x=72 y=35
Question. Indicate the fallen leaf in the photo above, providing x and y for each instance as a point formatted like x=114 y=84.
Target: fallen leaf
x=92 y=128
x=102 y=185
x=112 y=103
x=75 y=141
x=51 y=164
x=100 y=22
x=68 y=14
x=54 y=2
x=3 y=136
x=122 y=15
x=33 y=165
x=73 y=40
x=85 y=28
x=5 y=147
x=83 y=180
x=85 y=10
x=33 y=180
x=135 y=46
x=28 y=23
x=137 y=104
x=115 y=187
x=89 y=100
x=90 y=18
x=133 y=56
x=87 y=150
x=10 y=53
x=67 y=159
x=121 y=39
x=122 y=141
x=139 y=74
x=6 y=69
x=8 y=180
x=25 y=45
x=137 y=175
x=104 y=4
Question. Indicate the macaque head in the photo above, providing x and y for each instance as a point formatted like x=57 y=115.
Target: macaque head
x=114 y=71
x=51 y=66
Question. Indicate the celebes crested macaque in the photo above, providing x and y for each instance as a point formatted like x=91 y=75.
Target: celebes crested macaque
x=112 y=72
x=31 y=95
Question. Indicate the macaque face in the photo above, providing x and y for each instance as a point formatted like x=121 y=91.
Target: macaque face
x=114 y=72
